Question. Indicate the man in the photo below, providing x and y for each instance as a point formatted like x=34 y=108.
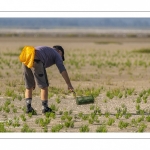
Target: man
x=44 y=57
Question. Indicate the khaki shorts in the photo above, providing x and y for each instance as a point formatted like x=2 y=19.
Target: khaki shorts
x=37 y=74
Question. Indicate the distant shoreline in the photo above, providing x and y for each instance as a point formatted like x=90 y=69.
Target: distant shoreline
x=76 y=32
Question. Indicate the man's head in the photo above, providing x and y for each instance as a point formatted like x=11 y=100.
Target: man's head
x=59 y=48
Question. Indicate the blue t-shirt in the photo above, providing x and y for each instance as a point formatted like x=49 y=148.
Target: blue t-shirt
x=49 y=57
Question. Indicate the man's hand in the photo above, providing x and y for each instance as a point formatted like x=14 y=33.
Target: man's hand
x=66 y=78
x=70 y=88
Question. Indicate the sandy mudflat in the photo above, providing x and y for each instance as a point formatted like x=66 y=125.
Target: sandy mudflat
x=120 y=68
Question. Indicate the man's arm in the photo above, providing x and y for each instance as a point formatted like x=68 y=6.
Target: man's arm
x=66 y=78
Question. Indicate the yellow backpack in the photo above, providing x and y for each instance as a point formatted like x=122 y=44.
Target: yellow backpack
x=27 y=56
